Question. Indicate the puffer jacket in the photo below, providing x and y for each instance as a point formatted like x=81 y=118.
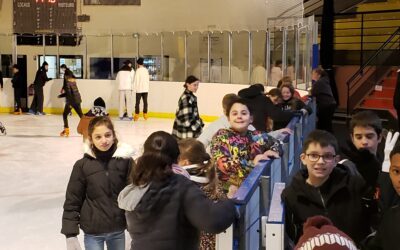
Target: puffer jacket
x=92 y=191
x=339 y=199
x=71 y=92
x=170 y=214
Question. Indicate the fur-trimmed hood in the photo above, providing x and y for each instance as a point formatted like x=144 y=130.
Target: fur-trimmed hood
x=123 y=150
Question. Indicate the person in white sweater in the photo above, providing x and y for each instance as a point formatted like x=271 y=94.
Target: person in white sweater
x=141 y=87
x=124 y=79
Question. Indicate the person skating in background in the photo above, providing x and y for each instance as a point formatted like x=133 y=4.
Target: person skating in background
x=38 y=98
x=188 y=123
x=98 y=109
x=326 y=103
x=166 y=210
x=91 y=196
x=72 y=100
x=18 y=85
x=141 y=88
x=125 y=78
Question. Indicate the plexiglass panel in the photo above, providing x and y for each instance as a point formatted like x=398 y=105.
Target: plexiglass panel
x=6 y=48
x=197 y=55
x=258 y=74
x=99 y=55
x=240 y=58
x=219 y=68
x=150 y=50
x=276 y=41
x=174 y=56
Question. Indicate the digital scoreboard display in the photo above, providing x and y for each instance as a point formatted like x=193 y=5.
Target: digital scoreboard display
x=44 y=16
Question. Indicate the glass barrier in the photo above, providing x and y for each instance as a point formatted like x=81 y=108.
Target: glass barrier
x=240 y=58
x=99 y=56
x=150 y=50
x=219 y=68
x=75 y=56
x=276 y=53
x=6 y=51
x=174 y=56
x=258 y=74
x=197 y=55
x=290 y=58
x=124 y=48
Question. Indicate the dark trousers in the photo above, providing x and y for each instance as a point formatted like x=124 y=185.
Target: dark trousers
x=67 y=109
x=325 y=116
x=17 y=98
x=138 y=96
x=37 y=103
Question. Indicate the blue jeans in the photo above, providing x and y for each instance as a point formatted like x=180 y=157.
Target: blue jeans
x=114 y=241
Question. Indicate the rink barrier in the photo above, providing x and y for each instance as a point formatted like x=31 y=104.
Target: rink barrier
x=258 y=197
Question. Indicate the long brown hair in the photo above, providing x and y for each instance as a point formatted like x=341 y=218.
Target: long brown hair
x=160 y=152
x=99 y=121
x=194 y=152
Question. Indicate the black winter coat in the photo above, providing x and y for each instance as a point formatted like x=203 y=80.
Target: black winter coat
x=339 y=199
x=17 y=81
x=41 y=77
x=91 y=196
x=396 y=97
x=171 y=214
x=71 y=92
x=322 y=92
x=263 y=108
x=387 y=236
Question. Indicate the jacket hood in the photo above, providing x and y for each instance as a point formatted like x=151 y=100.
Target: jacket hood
x=250 y=92
x=123 y=150
x=130 y=196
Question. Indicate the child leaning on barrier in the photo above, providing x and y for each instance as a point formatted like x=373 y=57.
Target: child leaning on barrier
x=326 y=188
x=387 y=236
x=197 y=162
x=237 y=150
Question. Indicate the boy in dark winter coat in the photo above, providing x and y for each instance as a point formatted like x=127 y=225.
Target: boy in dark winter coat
x=263 y=108
x=387 y=236
x=325 y=188
x=18 y=85
x=40 y=80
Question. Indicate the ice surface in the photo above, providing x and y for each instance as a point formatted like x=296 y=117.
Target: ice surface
x=35 y=164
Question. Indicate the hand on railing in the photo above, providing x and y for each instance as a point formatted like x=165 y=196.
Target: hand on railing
x=267 y=155
x=232 y=191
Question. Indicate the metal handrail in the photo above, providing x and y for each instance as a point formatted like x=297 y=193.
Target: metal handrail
x=362 y=67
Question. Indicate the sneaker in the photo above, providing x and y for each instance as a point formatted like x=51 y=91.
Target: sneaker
x=130 y=118
x=31 y=112
x=145 y=116
x=65 y=132
x=40 y=113
x=136 y=117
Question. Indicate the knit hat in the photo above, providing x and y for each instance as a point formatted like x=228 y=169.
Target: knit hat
x=320 y=234
x=99 y=102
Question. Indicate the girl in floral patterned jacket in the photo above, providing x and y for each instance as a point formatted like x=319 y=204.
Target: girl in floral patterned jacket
x=237 y=150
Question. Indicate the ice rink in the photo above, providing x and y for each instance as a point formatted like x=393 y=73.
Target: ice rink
x=35 y=165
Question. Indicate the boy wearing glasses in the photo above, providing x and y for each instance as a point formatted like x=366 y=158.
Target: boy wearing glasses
x=325 y=188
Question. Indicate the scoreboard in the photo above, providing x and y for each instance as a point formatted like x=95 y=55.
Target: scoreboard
x=44 y=16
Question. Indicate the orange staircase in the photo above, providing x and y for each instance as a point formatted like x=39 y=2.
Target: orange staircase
x=383 y=99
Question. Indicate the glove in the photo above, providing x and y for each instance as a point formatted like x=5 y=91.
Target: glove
x=73 y=243
x=366 y=163
x=389 y=144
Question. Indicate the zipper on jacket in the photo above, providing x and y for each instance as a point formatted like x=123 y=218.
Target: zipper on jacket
x=323 y=201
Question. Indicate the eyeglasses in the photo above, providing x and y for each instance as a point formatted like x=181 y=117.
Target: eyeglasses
x=328 y=158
